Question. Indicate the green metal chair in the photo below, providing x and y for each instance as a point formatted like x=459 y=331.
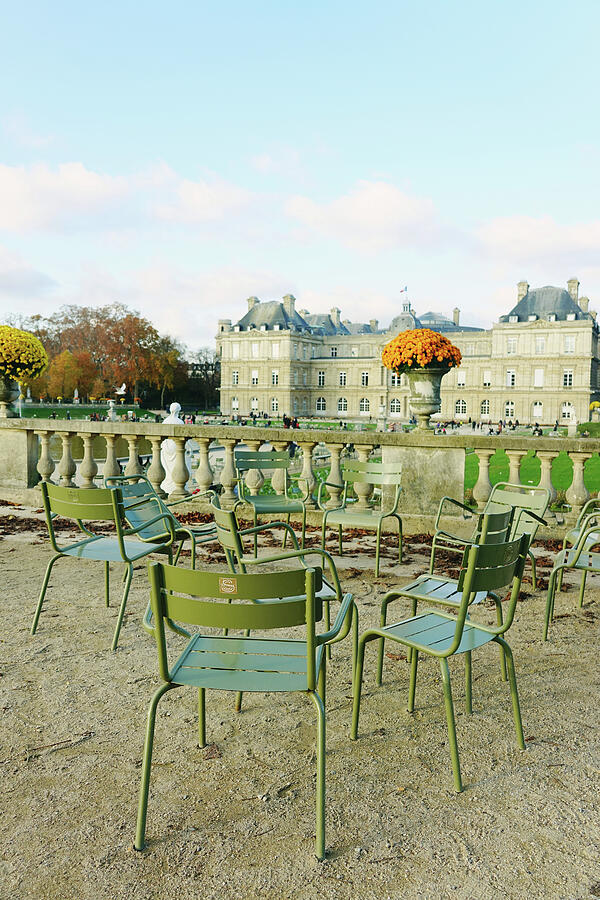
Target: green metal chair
x=227 y=663
x=529 y=505
x=99 y=505
x=589 y=510
x=268 y=504
x=578 y=557
x=348 y=514
x=486 y=567
x=140 y=503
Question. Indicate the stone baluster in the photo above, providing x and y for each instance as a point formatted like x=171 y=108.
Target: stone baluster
x=66 y=466
x=545 y=457
x=111 y=466
x=483 y=488
x=254 y=479
x=228 y=473
x=363 y=490
x=180 y=473
x=156 y=473
x=578 y=494
x=307 y=480
x=45 y=464
x=335 y=476
x=280 y=479
x=515 y=457
x=204 y=473
x=88 y=468
x=133 y=463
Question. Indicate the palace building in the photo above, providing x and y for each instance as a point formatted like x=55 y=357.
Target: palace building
x=538 y=363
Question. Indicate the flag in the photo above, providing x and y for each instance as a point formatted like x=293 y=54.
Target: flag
x=403 y=290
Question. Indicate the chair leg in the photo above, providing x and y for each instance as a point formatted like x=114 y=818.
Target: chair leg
x=340 y=540
x=582 y=587
x=146 y=764
x=502 y=660
x=38 y=610
x=512 y=678
x=123 y=605
x=432 y=557
x=413 y=680
x=550 y=600
x=377 y=549
x=283 y=543
x=356 y=687
x=193 y=539
x=533 y=571
x=321 y=684
x=451 y=724
x=255 y=535
x=354 y=638
x=399 y=539
x=201 y=717
x=239 y=694
x=107 y=583
x=303 y=527
x=468 y=683
x=327 y=610
x=179 y=549
x=320 y=831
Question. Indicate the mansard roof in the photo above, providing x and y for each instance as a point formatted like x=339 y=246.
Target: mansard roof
x=270 y=313
x=438 y=322
x=545 y=301
x=322 y=323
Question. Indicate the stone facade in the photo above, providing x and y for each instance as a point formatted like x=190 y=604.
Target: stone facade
x=538 y=363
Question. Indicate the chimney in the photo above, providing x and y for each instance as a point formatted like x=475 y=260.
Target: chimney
x=252 y=301
x=289 y=304
x=224 y=325
x=584 y=304
x=573 y=288
x=522 y=288
x=456 y=315
x=335 y=316
x=374 y=324
x=304 y=313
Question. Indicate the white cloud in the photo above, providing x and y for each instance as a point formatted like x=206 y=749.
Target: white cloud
x=20 y=283
x=374 y=215
x=38 y=197
x=540 y=241
x=18 y=129
x=283 y=161
x=195 y=202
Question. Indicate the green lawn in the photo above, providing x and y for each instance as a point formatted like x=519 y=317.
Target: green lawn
x=78 y=412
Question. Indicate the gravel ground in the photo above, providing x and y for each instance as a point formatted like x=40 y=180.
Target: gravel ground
x=237 y=818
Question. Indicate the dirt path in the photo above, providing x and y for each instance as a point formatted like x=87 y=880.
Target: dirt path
x=237 y=820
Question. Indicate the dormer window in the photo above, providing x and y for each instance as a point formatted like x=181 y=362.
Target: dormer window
x=276 y=327
x=237 y=328
x=263 y=327
x=513 y=318
x=531 y=318
x=552 y=317
x=570 y=317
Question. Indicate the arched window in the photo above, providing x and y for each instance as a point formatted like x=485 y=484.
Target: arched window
x=274 y=404
x=321 y=405
x=509 y=409
x=235 y=404
x=460 y=408
x=395 y=406
x=364 y=405
x=342 y=404
x=485 y=407
x=538 y=409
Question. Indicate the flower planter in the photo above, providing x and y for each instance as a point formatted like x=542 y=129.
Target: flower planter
x=425 y=399
x=9 y=391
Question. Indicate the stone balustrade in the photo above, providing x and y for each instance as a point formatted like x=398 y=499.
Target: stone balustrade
x=32 y=450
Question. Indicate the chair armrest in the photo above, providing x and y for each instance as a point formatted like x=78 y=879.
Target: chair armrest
x=592 y=503
x=454 y=503
x=149 y=627
x=343 y=618
x=300 y=554
x=267 y=526
x=323 y=485
x=166 y=517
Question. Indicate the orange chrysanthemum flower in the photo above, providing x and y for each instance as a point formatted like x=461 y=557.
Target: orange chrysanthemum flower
x=420 y=347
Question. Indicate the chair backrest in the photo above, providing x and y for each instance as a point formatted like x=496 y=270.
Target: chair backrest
x=261 y=459
x=378 y=473
x=494 y=528
x=141 y=503
x=490 y=567
x=520 y=498
x=226 y=600
x=81 y=504
x=228 y=533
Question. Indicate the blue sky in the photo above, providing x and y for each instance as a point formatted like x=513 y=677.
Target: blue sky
x=182 y=157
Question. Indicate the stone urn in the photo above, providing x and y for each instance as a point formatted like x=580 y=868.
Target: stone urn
x=9 y=391
x=425 y=399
